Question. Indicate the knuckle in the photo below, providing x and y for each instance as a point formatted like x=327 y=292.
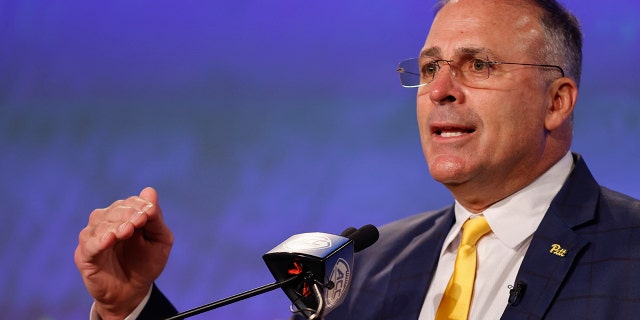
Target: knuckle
x=95 y=215
x=84 y=235
x=101 y=228
x=116 y=203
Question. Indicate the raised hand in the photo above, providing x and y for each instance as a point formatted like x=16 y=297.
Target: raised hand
x=121 y=252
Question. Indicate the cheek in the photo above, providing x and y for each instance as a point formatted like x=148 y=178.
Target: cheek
x=515 y=126
x=423 y=107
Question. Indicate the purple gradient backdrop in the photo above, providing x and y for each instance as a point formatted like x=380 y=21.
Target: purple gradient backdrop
x=255 y=120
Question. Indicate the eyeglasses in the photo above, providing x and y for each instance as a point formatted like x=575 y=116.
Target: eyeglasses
x=469 y=71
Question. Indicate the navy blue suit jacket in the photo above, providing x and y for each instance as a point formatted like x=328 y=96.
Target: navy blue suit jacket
x=597 y=277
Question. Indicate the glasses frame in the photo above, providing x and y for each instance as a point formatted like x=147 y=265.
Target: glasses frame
x=402 y=70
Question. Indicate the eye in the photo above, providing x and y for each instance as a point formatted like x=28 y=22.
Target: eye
x=430 y=68
x=479 y=65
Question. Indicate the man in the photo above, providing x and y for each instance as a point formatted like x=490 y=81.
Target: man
x=497 y=85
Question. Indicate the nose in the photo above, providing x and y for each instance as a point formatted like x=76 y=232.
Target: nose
x=444 y=88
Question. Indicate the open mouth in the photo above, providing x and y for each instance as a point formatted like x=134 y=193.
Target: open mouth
x=452 y=132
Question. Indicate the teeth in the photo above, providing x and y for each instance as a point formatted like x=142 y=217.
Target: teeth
x=451 y=134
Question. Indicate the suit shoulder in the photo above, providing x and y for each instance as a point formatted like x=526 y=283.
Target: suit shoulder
x=620 y=199
x=397 y=235
x=414 y=224
x=619 y=205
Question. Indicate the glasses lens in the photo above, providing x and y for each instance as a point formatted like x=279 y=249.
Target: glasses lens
x=409 y=72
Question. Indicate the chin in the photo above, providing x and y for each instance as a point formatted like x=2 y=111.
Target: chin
x=448 y=177
x=447 y=169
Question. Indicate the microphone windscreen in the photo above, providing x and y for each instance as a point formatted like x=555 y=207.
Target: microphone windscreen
x=364 y=237
x=348 y=231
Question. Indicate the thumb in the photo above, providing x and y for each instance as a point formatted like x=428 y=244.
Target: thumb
x=150 y=194
x=155 y=227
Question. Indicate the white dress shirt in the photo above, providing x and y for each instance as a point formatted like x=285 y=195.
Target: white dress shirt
x=513 y=221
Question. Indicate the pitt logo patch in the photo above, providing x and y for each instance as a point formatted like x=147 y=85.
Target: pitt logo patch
x=558 y=250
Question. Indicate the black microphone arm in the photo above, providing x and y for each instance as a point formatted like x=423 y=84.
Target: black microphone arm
x=232 y=299
x=303 y=272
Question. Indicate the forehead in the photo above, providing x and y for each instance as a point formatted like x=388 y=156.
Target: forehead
x=510 y=30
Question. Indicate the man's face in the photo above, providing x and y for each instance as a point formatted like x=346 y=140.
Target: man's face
x=488 y=134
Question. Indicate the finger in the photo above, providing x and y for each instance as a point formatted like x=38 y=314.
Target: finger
x=109 y=225
x=132 y=216
x=135 y=202
x=90 y=245
x=150 y=195
x=121 y=211
x=115 y=219
x=155 y=227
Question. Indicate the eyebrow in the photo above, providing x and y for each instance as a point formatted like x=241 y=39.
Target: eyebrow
x=436 y=52
x=471 y=52
x=431 y=52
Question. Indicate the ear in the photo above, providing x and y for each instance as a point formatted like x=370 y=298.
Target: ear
x=563 y=93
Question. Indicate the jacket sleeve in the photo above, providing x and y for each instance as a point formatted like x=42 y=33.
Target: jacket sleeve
x=158 y=307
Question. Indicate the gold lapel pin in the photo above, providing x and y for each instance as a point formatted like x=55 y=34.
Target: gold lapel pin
x=558 y=250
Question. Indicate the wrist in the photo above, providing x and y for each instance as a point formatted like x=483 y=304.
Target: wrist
x=127 y=311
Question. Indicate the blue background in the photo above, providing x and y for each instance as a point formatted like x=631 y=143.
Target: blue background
x=255 y=120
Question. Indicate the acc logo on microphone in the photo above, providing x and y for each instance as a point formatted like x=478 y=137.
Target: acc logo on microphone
x=341 y=277
x=308 y=241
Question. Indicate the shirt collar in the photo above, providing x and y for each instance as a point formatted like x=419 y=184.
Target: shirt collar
x=516 y=218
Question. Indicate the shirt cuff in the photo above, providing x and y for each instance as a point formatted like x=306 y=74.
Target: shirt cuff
x=132 y=316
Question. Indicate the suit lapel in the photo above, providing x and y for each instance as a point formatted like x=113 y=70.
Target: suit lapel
x=547 y=263
x=555 y=246
x=413 y=272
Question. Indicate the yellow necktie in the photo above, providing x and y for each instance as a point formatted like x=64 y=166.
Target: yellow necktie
x=457 y=297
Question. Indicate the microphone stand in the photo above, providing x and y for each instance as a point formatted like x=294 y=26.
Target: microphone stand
x=232 y=299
